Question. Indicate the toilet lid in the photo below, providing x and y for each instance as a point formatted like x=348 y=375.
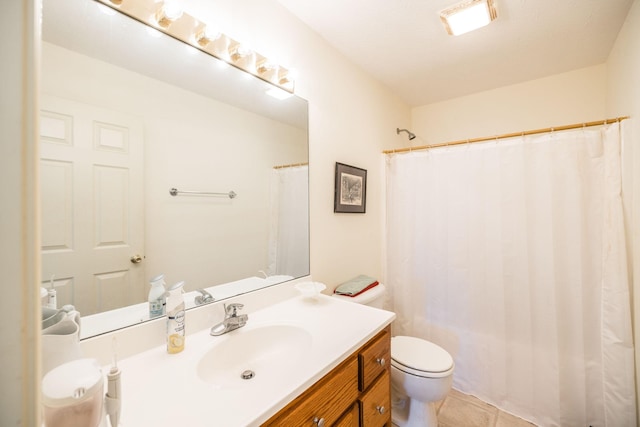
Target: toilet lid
x=420 y=355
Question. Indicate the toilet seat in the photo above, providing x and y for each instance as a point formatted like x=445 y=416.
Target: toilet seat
x=420 y=357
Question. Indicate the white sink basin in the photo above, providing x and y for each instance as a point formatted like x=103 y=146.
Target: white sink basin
x=263 y=353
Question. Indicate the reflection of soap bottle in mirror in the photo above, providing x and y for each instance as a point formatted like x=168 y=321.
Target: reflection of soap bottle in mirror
x=175 y=319
x=157 y=297
x=52 y=299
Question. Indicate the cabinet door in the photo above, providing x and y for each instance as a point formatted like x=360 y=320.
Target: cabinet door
x=375 y=403
x=324 y=402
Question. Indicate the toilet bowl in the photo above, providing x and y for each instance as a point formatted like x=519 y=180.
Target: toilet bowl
x=421 y=371
x=421 y=374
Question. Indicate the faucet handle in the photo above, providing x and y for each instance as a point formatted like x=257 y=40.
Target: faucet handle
x=232 y=309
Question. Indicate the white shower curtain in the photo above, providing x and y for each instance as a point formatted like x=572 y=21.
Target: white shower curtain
x=289 y=234
x=511 y=256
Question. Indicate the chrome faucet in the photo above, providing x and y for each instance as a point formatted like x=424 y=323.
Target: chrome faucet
x=204 y=297
x=232 y=320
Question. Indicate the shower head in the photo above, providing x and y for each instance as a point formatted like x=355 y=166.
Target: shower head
x=409 y=133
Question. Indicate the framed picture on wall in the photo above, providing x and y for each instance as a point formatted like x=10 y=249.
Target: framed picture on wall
x=350 y=189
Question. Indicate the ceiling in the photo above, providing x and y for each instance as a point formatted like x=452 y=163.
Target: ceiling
x=403 y=44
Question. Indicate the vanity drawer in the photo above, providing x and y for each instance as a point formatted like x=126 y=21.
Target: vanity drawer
x=375 y=403
x=351 y=418
x=375 y=358
x=327 y=399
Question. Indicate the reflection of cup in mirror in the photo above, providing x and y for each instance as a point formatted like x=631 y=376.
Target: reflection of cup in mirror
x=51 y=316
x=61 y=341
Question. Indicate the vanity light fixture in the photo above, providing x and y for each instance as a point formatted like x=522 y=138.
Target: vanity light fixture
x=168 y=16
x=238 y=51
x=266 y=66
x=243 y=57
x=287 y=78
x=467 y=16
x=268 y=70
x=168 y=12
x=207 y=34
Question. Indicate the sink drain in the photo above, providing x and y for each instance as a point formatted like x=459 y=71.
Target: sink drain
x=248 y=374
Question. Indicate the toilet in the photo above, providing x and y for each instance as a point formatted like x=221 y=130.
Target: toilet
x=421 y=371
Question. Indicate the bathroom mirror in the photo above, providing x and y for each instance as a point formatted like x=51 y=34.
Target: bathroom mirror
x=128 y=114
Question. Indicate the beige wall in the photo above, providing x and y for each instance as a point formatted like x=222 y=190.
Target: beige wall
x=574 y=97
x=623 y=99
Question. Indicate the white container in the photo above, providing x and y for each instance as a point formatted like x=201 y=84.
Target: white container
x=72 y=395
x=157 y=297
x=61 y=341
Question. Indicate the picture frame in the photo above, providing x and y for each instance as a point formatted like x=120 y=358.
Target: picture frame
x=350 y=195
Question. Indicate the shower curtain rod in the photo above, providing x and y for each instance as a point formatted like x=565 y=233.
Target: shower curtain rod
x=506 y=135
x=292 y=165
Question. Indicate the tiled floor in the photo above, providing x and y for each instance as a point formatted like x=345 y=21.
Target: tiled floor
x=462 y=410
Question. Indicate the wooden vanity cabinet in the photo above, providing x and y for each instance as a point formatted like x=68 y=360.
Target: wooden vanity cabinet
x=357 y=393
x=374 y=361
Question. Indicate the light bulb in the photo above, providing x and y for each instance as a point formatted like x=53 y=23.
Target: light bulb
x=168 y=12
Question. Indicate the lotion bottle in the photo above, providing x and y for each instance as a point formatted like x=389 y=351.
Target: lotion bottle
x=157 y=297
x=175 y=319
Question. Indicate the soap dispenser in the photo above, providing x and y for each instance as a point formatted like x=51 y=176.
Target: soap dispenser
x=175 y=319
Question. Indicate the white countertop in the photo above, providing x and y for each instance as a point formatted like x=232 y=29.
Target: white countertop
x=161 y=389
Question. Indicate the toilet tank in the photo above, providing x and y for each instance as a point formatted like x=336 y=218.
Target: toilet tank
x=373 y=297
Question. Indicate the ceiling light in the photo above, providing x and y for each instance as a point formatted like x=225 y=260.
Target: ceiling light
x=468 y=16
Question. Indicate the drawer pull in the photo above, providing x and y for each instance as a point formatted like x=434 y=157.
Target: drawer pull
x=381 y=409
x=380 y=361
x=319 y=421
